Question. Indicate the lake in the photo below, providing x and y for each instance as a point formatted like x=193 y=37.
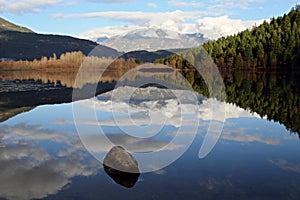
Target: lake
x=53 y=148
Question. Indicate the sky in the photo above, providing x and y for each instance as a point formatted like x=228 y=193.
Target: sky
x=93 y=18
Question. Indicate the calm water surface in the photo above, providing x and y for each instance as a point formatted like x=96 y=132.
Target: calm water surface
x=257 y=157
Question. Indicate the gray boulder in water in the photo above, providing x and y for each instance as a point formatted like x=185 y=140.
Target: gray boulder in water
x=121 y=167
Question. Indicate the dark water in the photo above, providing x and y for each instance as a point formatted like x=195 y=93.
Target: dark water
x=257 y=156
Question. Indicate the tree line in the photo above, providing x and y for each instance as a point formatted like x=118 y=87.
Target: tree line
x=274 y=43
x=271 y=95
x=69 y=61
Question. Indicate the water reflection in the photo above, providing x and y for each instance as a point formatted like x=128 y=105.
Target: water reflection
x=273 y=95
x=41 y=155
x=29 y=168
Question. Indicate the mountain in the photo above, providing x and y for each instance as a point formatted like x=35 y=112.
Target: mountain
x=101 y=39
x=152 y=39
x=8 y=26
x=145 y=99
x=18 y=43
x=29 y=46
x=149 y=56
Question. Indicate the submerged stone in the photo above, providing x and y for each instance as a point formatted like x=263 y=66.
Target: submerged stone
x=121 y=167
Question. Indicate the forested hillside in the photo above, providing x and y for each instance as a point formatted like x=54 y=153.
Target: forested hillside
x=274 y=43
x=29 y=46
x=20 y=43
x=271 y=44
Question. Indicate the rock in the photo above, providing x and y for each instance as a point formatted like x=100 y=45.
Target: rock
x=121 y=167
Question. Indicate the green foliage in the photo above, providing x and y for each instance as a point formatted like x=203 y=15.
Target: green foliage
x=270 y=44
x=274 y=43
x=268 y=94
x=137 y=61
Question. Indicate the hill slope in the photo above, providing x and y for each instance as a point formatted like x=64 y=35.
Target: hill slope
x=149 y=56
x=276 y=43
x=8 y=26
x=29 y=46
x=20 y=43
x=271 y=44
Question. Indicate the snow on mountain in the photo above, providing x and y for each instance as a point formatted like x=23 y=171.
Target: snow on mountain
x=167 y=32
x=153 y=39
x=164 y=103
x=101 y=39
x=106 y=32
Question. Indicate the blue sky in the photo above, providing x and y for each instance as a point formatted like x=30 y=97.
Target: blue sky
x=80 y=16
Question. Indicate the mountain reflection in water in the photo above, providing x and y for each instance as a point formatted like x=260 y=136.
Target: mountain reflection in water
x=41 y=155
x=274 y=95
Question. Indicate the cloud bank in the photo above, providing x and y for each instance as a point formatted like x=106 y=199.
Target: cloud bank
x=212 y=18
x=177 y=21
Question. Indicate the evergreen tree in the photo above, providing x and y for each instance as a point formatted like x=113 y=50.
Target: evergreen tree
x=269 y=44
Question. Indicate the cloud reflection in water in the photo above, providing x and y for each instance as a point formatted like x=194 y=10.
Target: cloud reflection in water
x=28 y=170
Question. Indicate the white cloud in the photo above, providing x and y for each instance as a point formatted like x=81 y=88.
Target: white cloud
x=229 y=4
x=142 y=18
x=19 y=7
x=211 y=27
x=24 y=178
x=239 y=135
x=285 y=165
x=231 y=111
x=215 y=27
x=107 y=31
x=36 y=132
x=177 y=3
x=111 y=31
x=98 y=144
x=165 y=110
x=152 y=5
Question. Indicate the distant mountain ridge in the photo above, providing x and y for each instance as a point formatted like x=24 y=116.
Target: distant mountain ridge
x=8 y=26
x=20 y=43
x=148 y=56
x=29 y=46
x=153 y=39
